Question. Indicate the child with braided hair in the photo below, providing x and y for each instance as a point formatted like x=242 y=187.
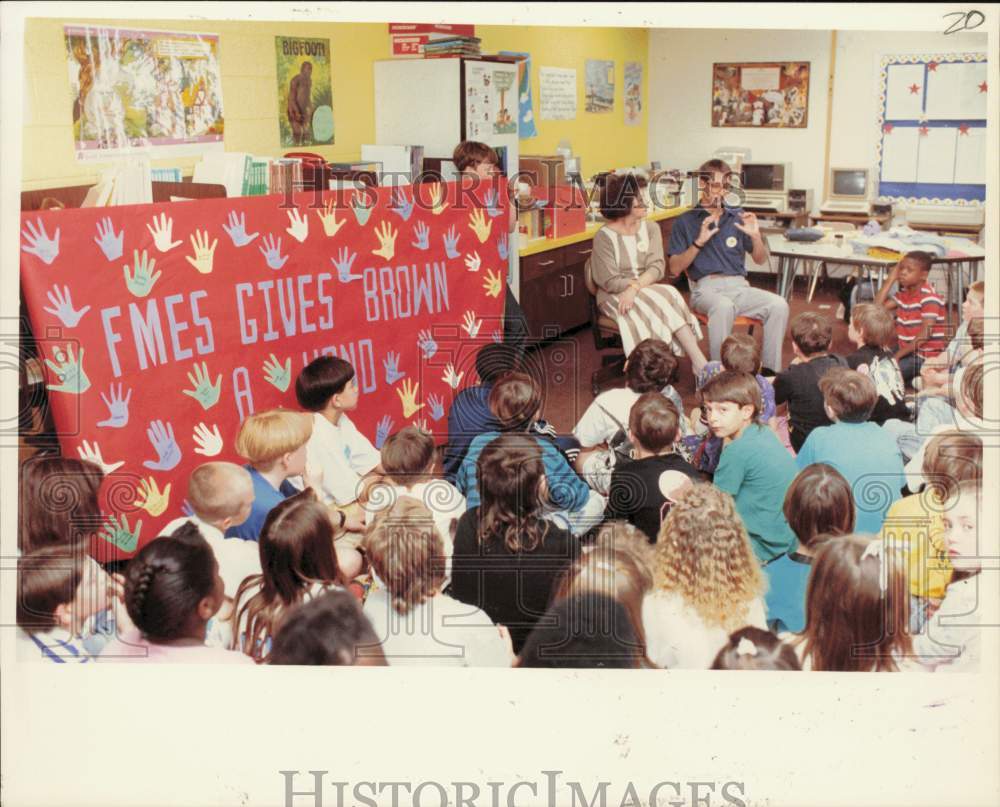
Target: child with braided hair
x=172 y=590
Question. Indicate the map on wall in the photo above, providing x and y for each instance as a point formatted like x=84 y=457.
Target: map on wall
x=143 y=91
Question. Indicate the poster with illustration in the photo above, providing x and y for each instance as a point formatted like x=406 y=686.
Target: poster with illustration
x=633 y=93
x=766 y=94
x=506 y=102
x=135 y=91
x=526 y=116
x=305 y=95
x=600 y=85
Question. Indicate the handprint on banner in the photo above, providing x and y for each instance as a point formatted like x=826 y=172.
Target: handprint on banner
x=382 y=431
x=168 y=453
x=208 y=442
x=423 y=234
x=298 y=226
x=92 y=453
x=69 y=370
x=277 y=375
x=205 y=392
x=150 y=499
x=162 y=232
x=117 y=408
x=111 y=245
x=386 y=240
x=203 y=253
x=407 y=393
x=438 y=205
x=187 y=509
x=328 y=218
x=141 y=283
x=343 y=264
x=62 y=308
x=437 y=406
x=362 y=207
x=473 y=262
x=470 y=324
x=492 y=204
x=420 y=424
x=118 y=533
x=391 y=365
x=426 y=344
x=503 y=247
x=451 y=378
x=493 y=284
x=451 y=243
x=271 y=250
x=479 y=225
x=402 y=205
x=38 y=242
x=237 y=229
x=497 y=336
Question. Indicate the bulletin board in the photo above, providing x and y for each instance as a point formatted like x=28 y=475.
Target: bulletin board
x=772 y=95
x=932 y=128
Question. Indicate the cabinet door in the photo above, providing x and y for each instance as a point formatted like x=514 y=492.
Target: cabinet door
x=540 y=300
x=575 y=306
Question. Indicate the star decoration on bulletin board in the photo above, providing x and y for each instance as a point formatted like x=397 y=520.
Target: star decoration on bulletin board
x=963 y=129
x=887 y=128
x=923 y=131
x=932 y=66
x=914 y=89
x=982 y=87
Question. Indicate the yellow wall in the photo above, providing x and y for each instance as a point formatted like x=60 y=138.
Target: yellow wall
x=250 y=91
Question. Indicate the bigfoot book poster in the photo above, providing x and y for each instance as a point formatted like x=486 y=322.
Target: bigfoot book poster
x=305 y=96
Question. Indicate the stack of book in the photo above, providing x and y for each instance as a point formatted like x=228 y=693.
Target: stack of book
x=409 y=39
x=455 y=46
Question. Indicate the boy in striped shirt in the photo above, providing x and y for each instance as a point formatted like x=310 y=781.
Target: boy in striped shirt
x=920 y=314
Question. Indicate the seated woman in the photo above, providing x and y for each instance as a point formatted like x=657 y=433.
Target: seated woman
x=627 y=264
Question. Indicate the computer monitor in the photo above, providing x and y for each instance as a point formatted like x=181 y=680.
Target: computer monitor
x=849 y=183
x=654 y=166
x=765 y=177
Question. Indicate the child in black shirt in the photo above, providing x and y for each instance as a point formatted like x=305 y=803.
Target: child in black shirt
x=873 y=329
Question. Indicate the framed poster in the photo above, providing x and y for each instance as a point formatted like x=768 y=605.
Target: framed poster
x=766 y=94
x=305 y=95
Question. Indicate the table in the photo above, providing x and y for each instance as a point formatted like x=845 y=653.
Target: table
x=960 y=272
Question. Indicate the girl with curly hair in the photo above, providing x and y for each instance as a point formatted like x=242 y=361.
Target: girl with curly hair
x=706 y=581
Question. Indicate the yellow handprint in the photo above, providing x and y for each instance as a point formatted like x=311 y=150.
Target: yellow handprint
x=438 y=205
x=492 y=283
x=152 y=501
x=479 y=225
x=328 y=216
x=387 y=241
x=203 y=253
x=408 y=397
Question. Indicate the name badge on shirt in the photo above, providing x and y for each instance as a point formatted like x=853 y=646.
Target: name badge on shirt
x=731 y=241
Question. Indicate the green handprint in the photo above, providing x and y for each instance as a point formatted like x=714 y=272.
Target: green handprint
x=69 y=371
x=205 y=392
x=141 y=282
x=280 y=377
x=117 y=531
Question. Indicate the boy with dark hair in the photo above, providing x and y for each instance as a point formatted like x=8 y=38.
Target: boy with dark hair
x=329 y=630
x=799 y=385
x=863 y=452
x=920 y=316
x=872 y=331
x=642 y=491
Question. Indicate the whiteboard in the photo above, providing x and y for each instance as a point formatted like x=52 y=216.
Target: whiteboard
x=899 y=154
x=970 y=157
x=900 y=102
x=954 y=91
x=936 y=160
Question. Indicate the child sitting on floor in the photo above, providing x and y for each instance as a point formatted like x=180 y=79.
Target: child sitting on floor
x=755 y=649
x=872 y=331
x=862 y=451
x=328 y=631
x=754 y=468
x=643 y=490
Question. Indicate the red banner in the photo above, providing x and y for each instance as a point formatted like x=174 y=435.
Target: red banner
x=163 y=326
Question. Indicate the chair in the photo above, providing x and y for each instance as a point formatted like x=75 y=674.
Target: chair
x=740 y=322
x=606 y=336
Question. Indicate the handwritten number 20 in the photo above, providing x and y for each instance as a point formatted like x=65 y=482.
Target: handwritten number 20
x=964 y=21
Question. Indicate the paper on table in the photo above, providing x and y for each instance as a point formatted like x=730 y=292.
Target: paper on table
x=953 y=91
x=899 y=155
x=970 y=156
x=557 y=93
x=936 y=158
x=901 y=103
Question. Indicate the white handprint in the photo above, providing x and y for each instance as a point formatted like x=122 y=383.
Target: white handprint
x=162 y=230
x=299 y=225
x=93 y=454
x=473 y=262
x=450 y=378
x=208 y=442
x=470 y=324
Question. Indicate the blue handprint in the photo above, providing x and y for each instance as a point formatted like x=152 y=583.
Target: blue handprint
x=402 y=205
x=437 y=406
x=502 y=247
x=426 y=344
x=343 y=263
x=391 y=365
x=497 y=336
x=492 y=204
x=451 y=243
x=168 y=453
x=423 y=234
x=237 y=230
x=383 y=430
x=117 y=408
x=63 y=307
x=111 y=245
x=39 y=243
x=272 y=252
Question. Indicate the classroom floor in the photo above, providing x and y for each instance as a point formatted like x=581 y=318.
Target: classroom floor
x=569 y=362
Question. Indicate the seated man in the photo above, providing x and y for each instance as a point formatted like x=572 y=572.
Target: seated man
x=709 y=242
